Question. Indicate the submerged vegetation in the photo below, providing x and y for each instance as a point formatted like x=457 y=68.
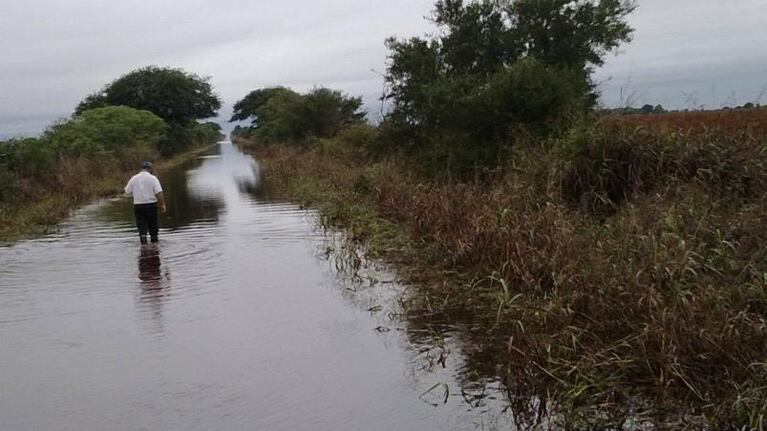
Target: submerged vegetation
x=88 y=155
x=610 y=269
x=617 y=273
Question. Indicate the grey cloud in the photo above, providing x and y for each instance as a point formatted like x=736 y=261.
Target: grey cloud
x=707 y=49
x=53 y=52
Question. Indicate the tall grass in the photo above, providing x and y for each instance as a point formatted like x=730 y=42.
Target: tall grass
x=43 y=179
x=618 y=272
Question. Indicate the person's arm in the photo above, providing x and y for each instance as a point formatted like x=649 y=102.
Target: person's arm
x=160 y=195
x=161 y=202
x=129 y=187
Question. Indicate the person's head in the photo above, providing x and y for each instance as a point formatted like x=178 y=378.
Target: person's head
x=147 y=166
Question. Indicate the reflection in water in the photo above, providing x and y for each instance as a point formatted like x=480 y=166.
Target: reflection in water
x=247 y=336
x=153 y=283
x=149 y=267
x=186 y=206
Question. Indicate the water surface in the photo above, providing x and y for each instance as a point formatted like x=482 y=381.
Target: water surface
x=237 y=320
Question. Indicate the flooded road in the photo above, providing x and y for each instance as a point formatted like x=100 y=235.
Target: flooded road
x=237 y=320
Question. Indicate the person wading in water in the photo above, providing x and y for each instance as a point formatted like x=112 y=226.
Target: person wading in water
x=147 y=194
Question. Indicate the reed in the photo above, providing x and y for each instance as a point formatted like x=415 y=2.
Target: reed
x=618 y=273
x=39 y=206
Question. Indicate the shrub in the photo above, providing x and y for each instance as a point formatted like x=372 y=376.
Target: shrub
x=207 y=132
x=364 y=139
x=94 y=143
x=468 y=128
x=109 y=129
x=602 y=167
x=31 y=157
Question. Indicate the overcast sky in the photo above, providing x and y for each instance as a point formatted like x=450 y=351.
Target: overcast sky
x=686 y=53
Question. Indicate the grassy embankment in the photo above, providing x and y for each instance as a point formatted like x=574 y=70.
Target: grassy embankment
x=619 y=271
x=77 y=182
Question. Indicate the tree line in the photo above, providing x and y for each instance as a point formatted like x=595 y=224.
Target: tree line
x=493 y=73
x=148 y=112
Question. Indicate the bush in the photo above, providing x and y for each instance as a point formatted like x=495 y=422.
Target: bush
x=107 y=130
x=602 y=167
x=7 y=178
x=178 y=97
x=31 y=157
x=96 y=142
x=530 y=93
x=364 y=139
x=465 y=128
x=207 y=132
x=282 y=118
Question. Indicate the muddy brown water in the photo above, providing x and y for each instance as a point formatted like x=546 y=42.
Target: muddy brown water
x=242 y=318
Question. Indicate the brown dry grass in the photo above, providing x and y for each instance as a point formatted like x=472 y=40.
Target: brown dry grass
x=41 y=204
x=619 y=273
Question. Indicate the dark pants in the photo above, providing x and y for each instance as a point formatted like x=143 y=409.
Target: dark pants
x=146 y=220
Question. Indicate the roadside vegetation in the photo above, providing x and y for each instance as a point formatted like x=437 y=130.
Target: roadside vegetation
x=90 y=154
x=610 y=269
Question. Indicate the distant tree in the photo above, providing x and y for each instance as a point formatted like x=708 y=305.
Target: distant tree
x=480 y=38
x=207 y=132
x=281 y=114
x=178 y=97
x=440 y=83
x=659 y=109
x=647 y=109
x=284 y=117
x=247 y=108
x=211 y=125
x=330 y=111
x=240 y=131
x=92 y=101
x=174 y=95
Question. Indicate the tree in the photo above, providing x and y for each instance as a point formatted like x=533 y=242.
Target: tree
x=480 y=39
x=208 y=131
x=329 y=111
x=174 y=95
x=576 y=34
x=281 y=114
x=441 y=83
x=92 y=101
x=247 y=108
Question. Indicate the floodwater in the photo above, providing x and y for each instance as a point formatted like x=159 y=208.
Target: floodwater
x=241 y=318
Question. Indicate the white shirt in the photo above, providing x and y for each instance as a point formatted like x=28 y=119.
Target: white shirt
x=144 y=187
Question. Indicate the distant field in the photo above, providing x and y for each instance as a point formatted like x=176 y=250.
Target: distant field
x=741 y=120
